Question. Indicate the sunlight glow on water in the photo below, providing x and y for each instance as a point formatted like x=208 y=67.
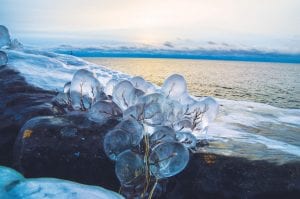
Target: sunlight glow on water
x=276 y=84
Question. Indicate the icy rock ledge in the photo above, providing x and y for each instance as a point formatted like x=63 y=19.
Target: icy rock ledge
x=14 y=185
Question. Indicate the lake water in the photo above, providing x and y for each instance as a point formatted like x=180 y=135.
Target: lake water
x=277 y=84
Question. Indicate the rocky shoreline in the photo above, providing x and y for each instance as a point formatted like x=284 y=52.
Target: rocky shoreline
x=39 y=140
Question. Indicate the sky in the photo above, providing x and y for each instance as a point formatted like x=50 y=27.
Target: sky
x=267 y=25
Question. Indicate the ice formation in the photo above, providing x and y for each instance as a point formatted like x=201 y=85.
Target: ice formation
x=4 y=37
x=167 y=159
x=3 y=58
x=129 y=165
x=85 y=90
x=14 y=185
x=156 y=126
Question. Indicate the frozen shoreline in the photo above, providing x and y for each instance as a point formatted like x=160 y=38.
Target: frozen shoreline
x=257 y=125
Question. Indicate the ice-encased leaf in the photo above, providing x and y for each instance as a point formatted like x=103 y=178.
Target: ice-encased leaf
x=183 y=125
x=115 y=142
x=3 y=58
x=85 y=90
x=162 y=134
x=168 y=159
x=129 y=166
x=187 y=139
x=195 y=113
x=110 y=86
x=153 y=114
x=104 y=110
x=136 y=112
x=67 y=87
x=138 y=82
x=122 y=94
x=151 y=98
x=134 y=128
x=174 y=86
x=4 y=37
x=173 y=111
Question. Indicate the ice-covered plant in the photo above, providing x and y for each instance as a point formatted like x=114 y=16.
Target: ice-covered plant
x=157 y=126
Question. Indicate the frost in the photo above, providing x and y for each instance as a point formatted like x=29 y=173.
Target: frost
x=3 y=58
x=4 y=37
x=129 y=166
x=168 y=159
x=102 y=111
x=85 y=90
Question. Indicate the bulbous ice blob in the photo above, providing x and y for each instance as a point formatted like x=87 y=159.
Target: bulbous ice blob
x=129 y=166
x=162 y=134
x=212 y=107
x=110 y=86
x=151 y=98
x=138 y=82
x=85 y=90
x=173 y=111
x=195 y=113
x=67 y=87
x=168 y=159
x=134 y=95
x=136 y=112
x=3 y=58
x=103 y=110
x=153 y=114
x=174 y=86
x=122 y=94
x=4 y=37
x=186 y=99
x=187 y=139
x=115 y=142
x=134 y=128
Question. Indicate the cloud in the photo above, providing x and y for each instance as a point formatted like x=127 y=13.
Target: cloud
x=212 y=43
x=168 y=44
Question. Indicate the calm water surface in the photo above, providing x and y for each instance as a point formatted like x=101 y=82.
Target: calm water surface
x=276 y=84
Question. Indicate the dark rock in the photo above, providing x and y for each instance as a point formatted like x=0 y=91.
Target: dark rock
x=68 y=147
x=216 y=176
x=19 y=102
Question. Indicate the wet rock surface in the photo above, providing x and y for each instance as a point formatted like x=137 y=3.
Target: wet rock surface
x=68 y=147
x=216 y=176
x=19 y=102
